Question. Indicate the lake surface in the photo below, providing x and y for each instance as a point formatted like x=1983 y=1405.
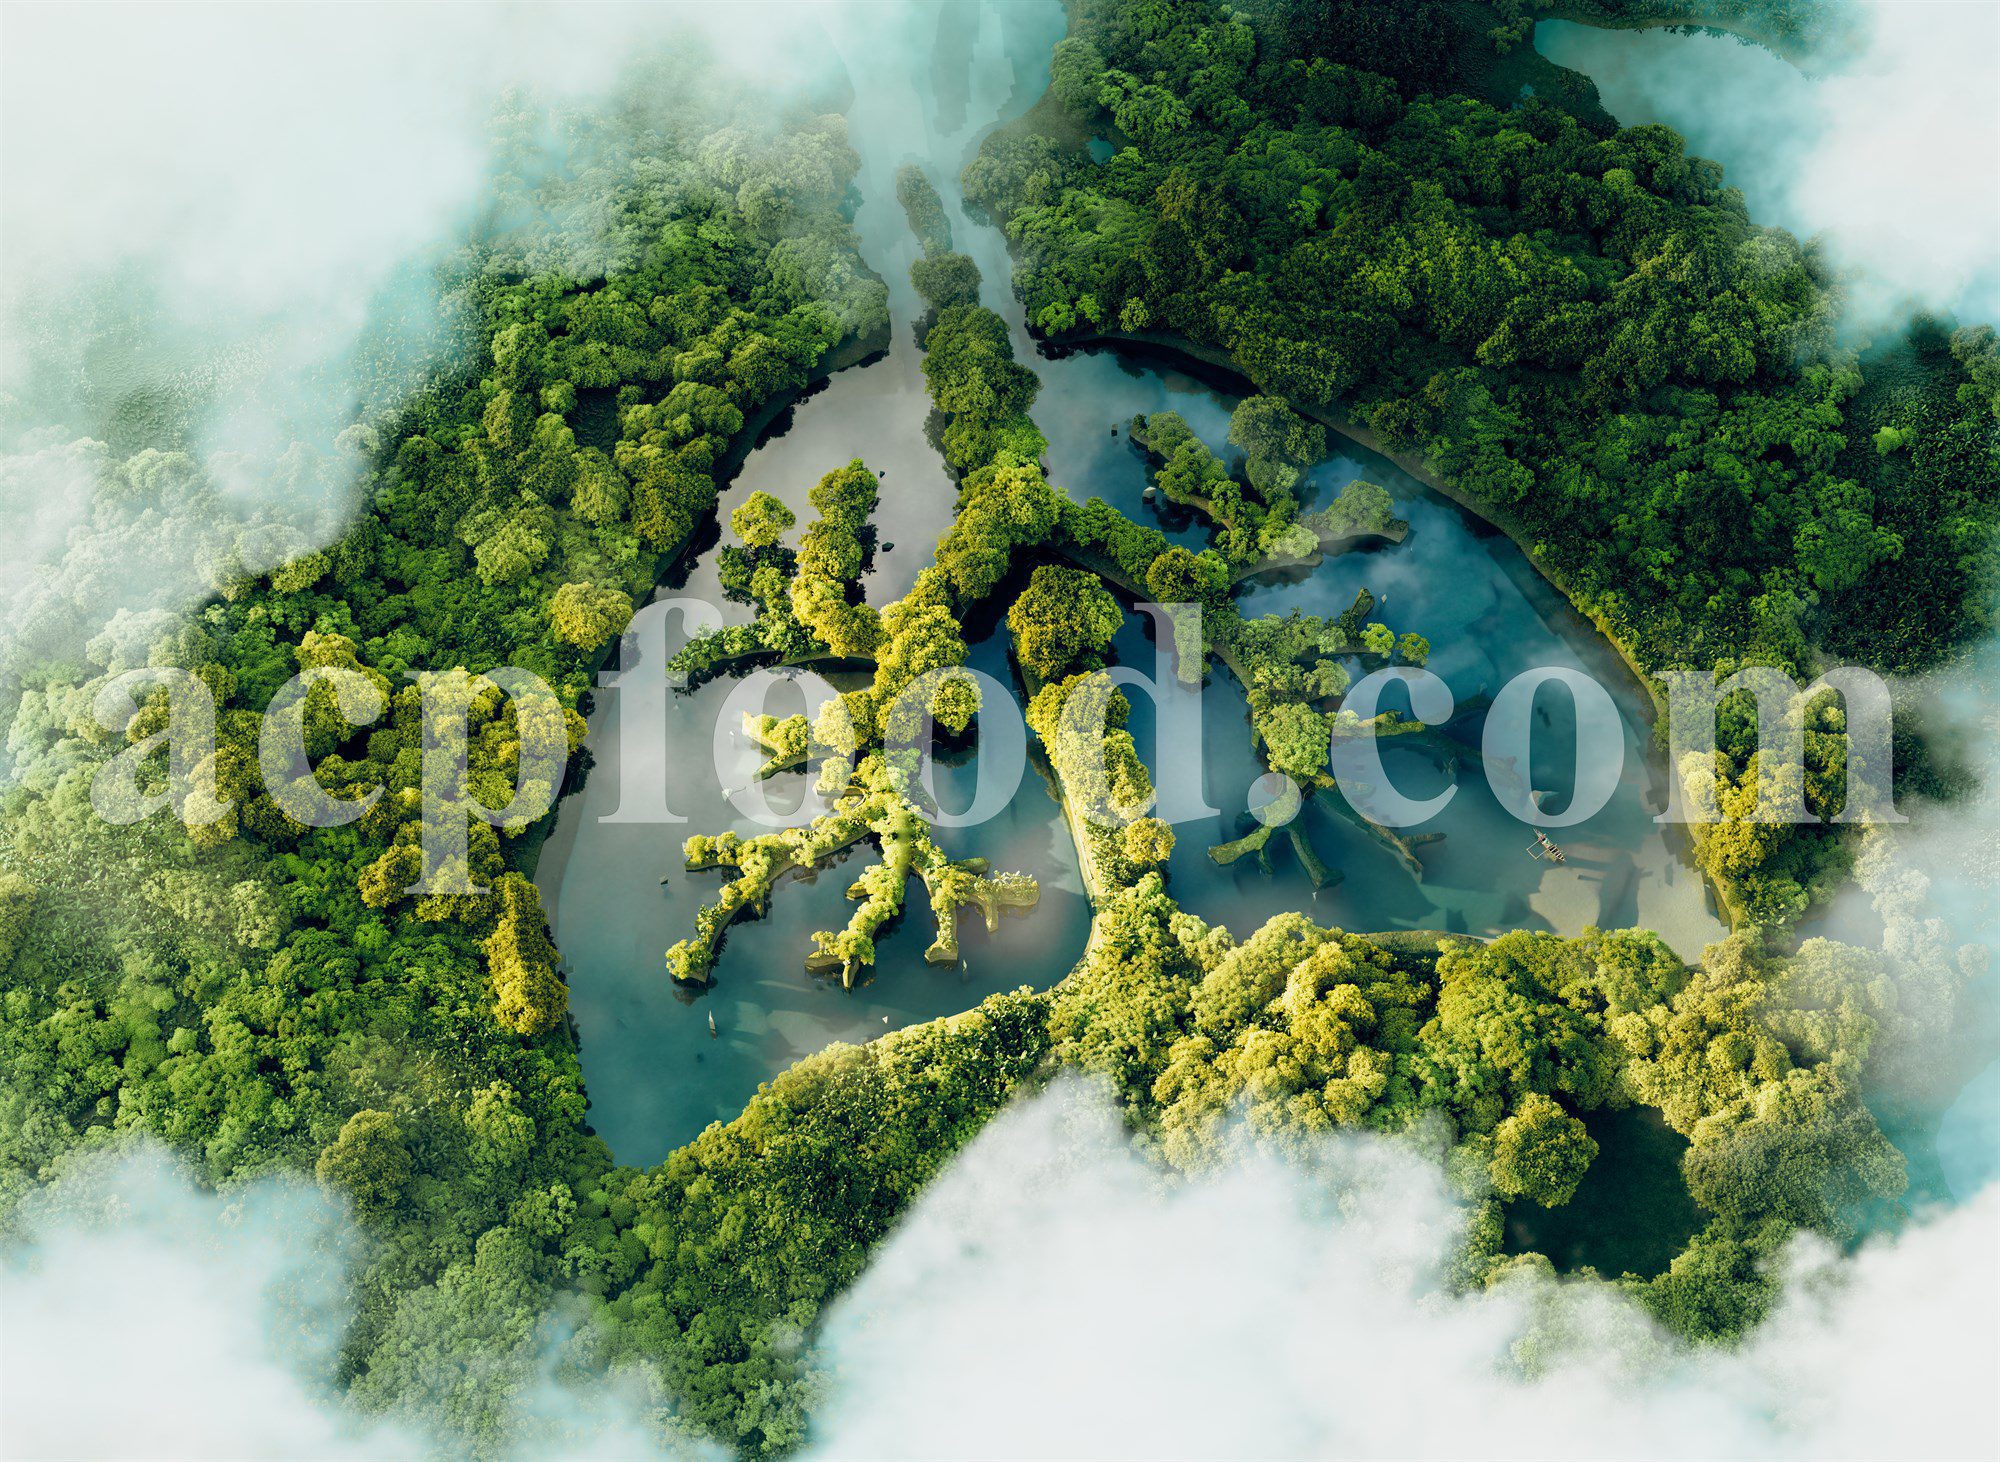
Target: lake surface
x=1489 y=616
x=655 y=1073
x=1631 y=1214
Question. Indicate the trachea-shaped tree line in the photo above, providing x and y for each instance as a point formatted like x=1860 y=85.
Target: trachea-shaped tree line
x=1295 y=669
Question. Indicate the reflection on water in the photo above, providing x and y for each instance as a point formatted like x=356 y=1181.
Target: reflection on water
x=656 y=1075
x=1488 y=617
x=1088 y=400
x=1631 y=1213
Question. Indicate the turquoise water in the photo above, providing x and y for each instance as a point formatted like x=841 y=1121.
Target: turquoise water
x=1489 y=617
x=656 y=1074
x=1968 y=1137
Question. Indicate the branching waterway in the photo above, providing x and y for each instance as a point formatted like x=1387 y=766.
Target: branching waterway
x=924 y=93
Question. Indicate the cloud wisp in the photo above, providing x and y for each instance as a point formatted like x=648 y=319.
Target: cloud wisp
x=144 y=1317
x=222 y=228
x=1048 y=1297
x=1892 y=154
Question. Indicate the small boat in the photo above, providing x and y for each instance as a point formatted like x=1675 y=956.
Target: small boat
x=712 y=1031
x=1541 y=847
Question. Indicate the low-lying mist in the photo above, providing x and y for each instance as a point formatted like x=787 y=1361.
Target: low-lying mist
x=1892 y=153
x=145 y=1317
x=1047 y=1297
x=222 y=228
x=224 y=232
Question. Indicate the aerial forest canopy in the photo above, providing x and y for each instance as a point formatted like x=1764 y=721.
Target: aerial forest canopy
x=1577 y=330
x=261 y=994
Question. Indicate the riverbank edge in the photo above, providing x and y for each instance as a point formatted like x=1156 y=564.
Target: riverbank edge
x=542 y=851
x=1498 y=519
x=1807 y=57
x=1343 y=422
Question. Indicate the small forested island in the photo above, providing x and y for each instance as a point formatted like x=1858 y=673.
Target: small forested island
x=1217 y=344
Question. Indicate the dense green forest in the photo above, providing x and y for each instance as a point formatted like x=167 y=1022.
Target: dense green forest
x=1577 y=330
x=260 y=994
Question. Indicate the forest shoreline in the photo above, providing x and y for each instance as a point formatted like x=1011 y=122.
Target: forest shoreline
x=1362 y=436
x=549 y=843
x=1740 y=27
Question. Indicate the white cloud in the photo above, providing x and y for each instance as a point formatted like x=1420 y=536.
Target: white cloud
x=141 y=1316
x=1894 y=153
x=258 y=157
x=1048 y=1298
x=147 y=1318
x=207 y=205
